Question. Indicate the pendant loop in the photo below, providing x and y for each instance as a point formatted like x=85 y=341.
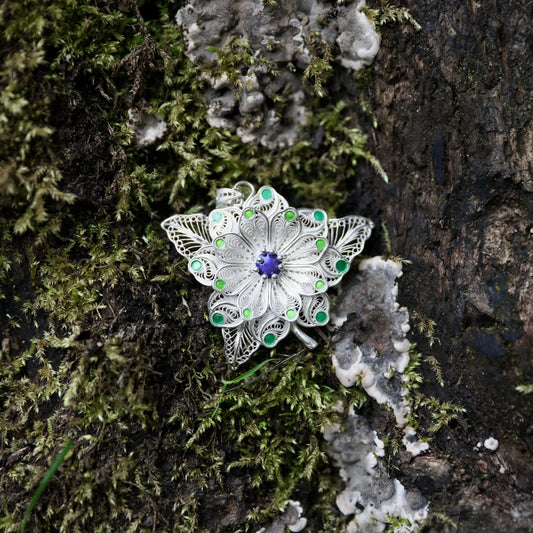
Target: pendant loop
x=245 y=184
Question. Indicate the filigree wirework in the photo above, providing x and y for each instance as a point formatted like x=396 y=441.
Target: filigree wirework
x=269 y=264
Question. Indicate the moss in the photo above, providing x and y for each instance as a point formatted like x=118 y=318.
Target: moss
x=320 y=68
x=388 y=13
x=428 y=414
x=103 y=338
x=233 y=60
x=276 y=423
x=426 y=327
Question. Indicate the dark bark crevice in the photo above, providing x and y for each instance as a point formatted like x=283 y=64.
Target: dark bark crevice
x=455 y=133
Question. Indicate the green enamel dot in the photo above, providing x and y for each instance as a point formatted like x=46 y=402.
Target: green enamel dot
x=269 y=339
x=342 y=265
x=247 y=313
x=220 y=243
x=319 y=216
x=320 y=244
x=290 y=215
x=266 y=194
x=291 y=313
x=220 y=284
x=249 y=213
x=319 y=285
x=216 y=217
x=217 y=319
x=196 y=265
x=321 y=317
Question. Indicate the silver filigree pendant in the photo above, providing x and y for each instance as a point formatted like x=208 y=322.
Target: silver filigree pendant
x=269 y=264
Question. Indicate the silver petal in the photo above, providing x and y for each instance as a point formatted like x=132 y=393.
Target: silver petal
x=270 y=330
x=239 y=344
x=189 y=233
x=203 y=265
x=253 y=226
x=223 y=311
x=315 y=311
x=232 y=248
x=284 y=300
x=253 y=300
x=334 y=265
x=233 y=279
x=306 y=280
x=314 y=221
x=284 y=229
x=223 y=221
x=348 y=234
x=305 y=250
x=266 y=200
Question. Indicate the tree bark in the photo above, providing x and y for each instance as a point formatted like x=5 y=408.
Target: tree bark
x=104 y=337
x=454 y=106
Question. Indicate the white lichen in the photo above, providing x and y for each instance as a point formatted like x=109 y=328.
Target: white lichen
x=286 y=38
x=411 y=442
x=291 y=518
x=371 y=348
x=148 y=128
x=369 y=494
x=491 y=444
x=378 y=357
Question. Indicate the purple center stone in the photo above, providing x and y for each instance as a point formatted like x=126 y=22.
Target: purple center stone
x=268 y=264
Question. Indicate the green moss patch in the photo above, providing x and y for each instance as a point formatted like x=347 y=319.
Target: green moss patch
x=104 y=338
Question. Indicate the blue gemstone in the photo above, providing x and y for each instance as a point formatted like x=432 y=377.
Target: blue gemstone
x=268 y=264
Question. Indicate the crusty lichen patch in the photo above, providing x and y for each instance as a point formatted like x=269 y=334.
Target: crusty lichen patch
x=285 y=54
x=371 y=497
x=375 y=351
